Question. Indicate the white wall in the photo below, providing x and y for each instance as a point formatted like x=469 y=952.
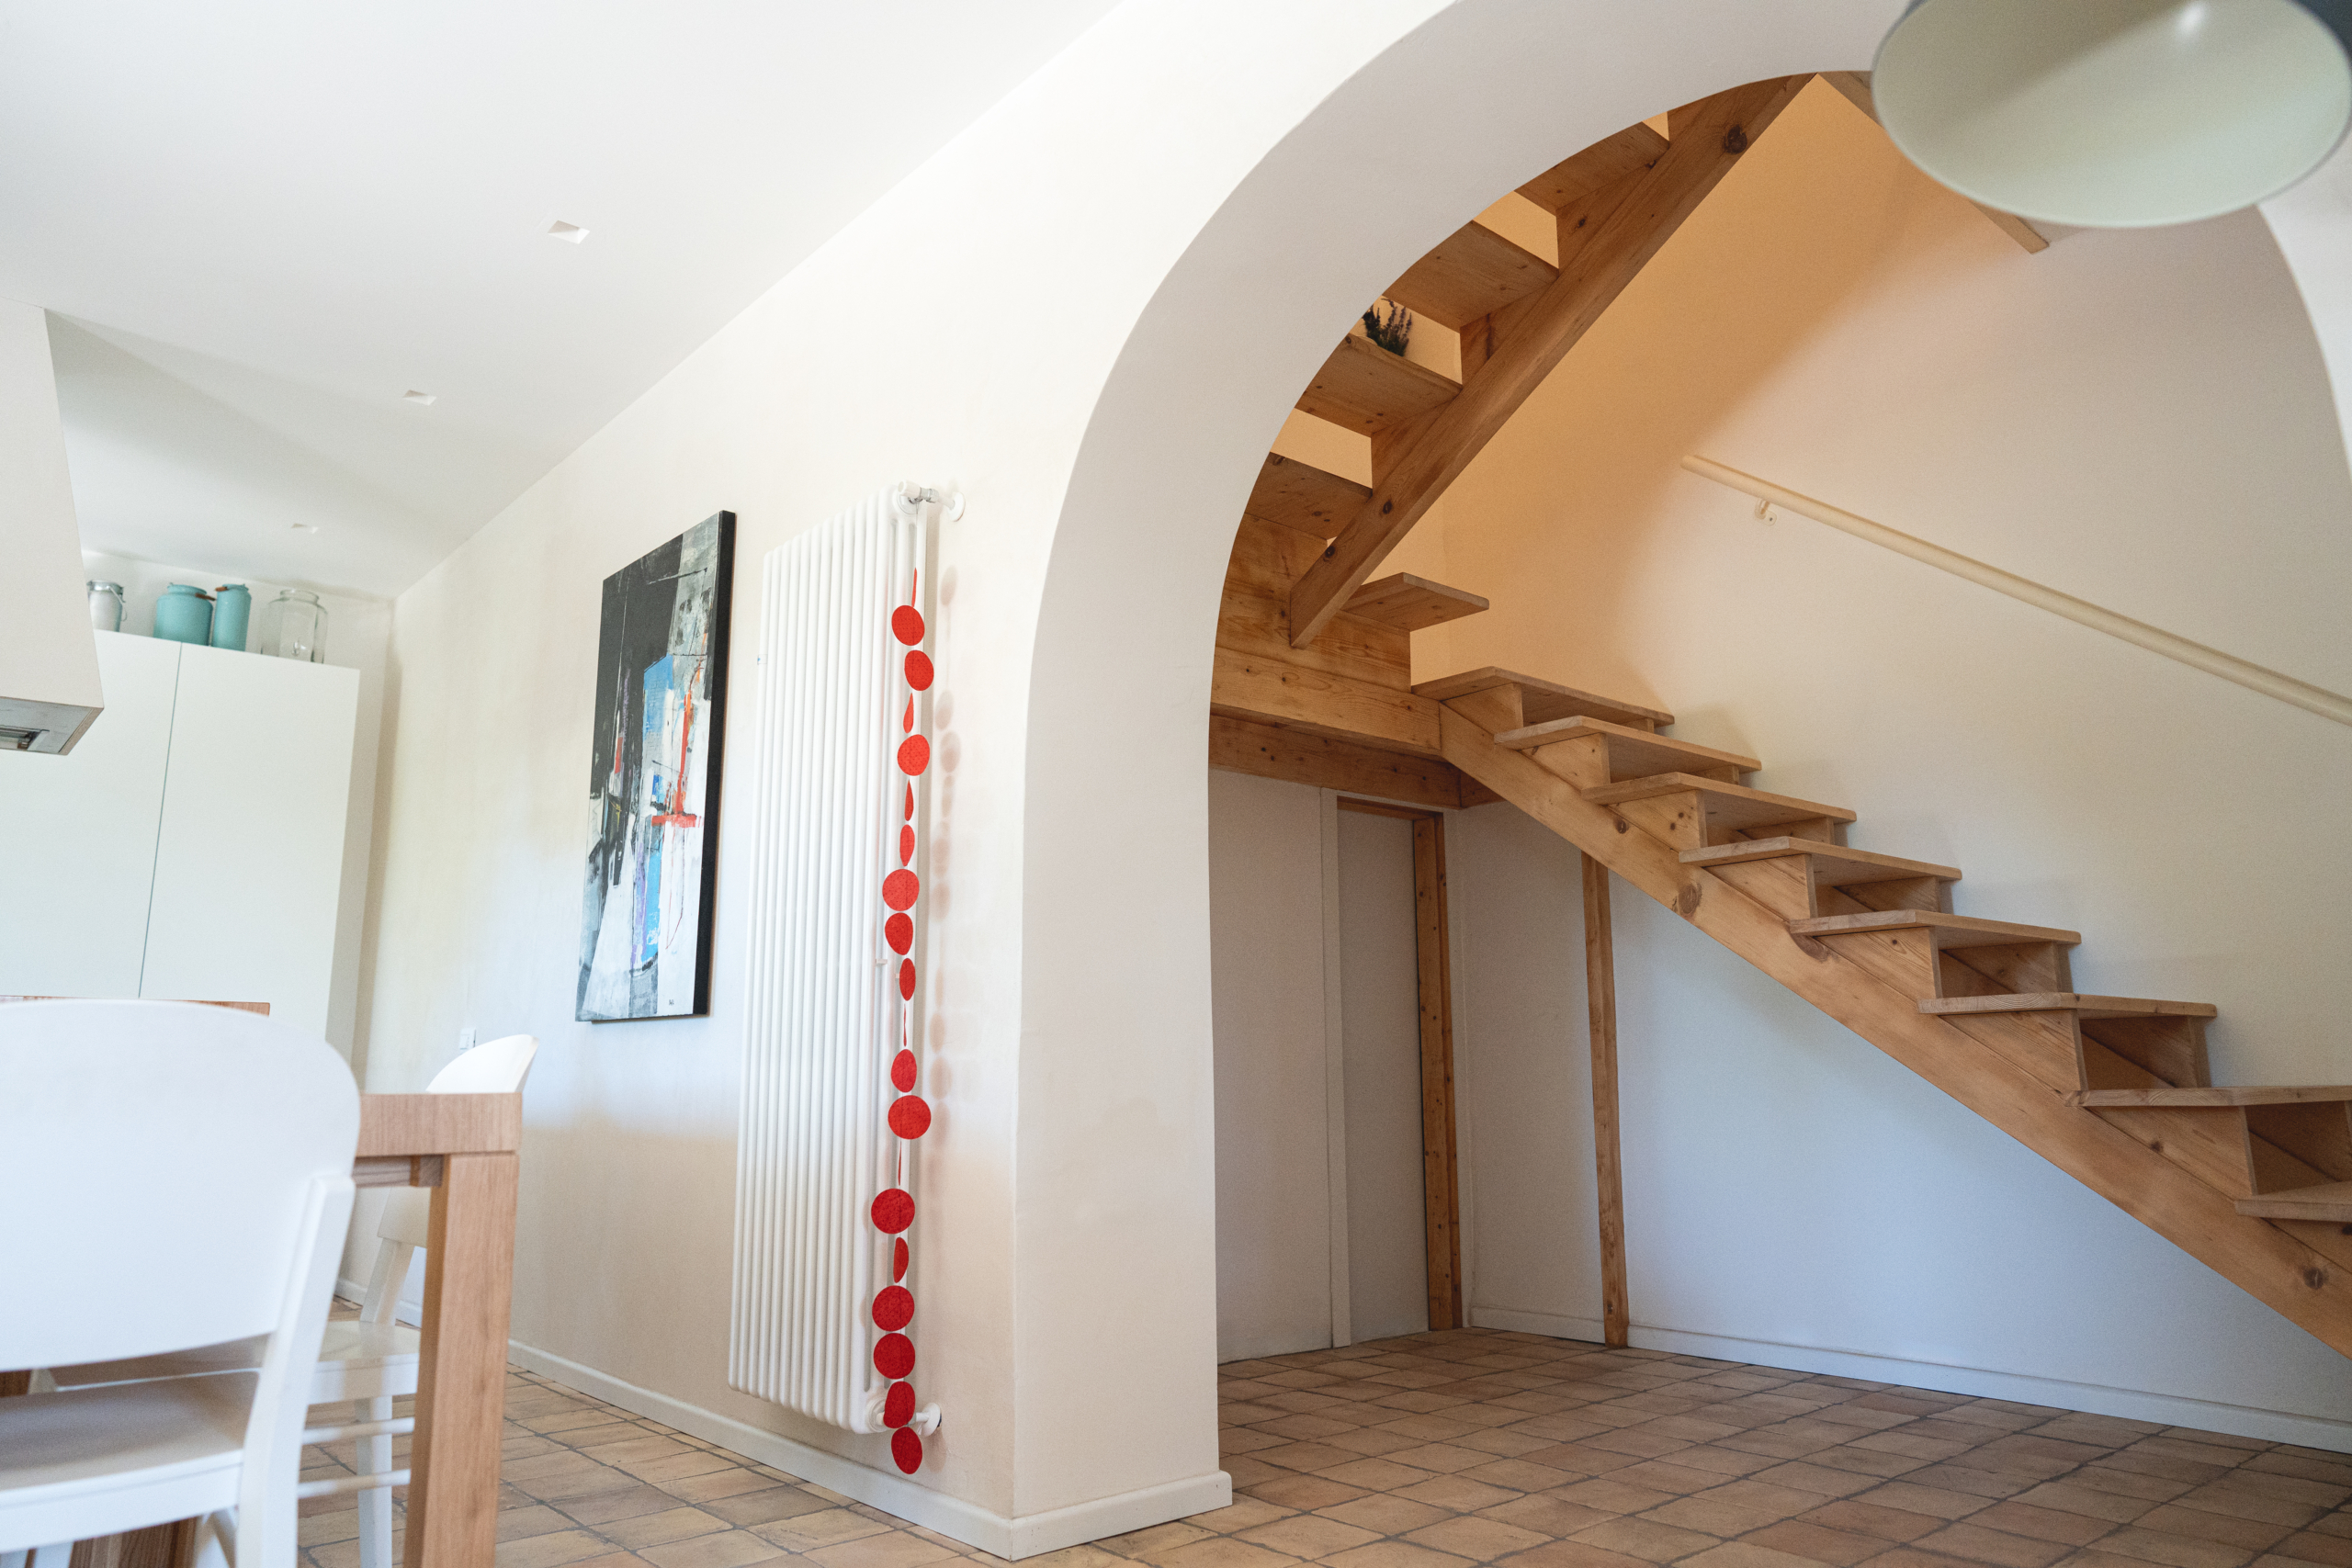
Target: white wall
x=2138 y=418
x=1273 y=1196
x=1380 y=1029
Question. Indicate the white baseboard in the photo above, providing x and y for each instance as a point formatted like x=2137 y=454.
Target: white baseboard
x=2093 y=1399
x=408 y=1311
x=1025 y=1536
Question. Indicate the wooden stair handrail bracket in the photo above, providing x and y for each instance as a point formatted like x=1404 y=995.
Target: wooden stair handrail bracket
x=2082 y=612
x=1706 y=138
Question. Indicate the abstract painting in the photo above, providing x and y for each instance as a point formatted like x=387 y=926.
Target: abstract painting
x=653 y=780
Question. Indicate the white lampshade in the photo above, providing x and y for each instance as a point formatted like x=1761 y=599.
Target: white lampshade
x=2116 y=113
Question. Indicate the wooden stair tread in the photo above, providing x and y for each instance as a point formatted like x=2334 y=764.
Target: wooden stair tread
x=1837 y=866
x=1989 y=933
x=2197 y=1099
x=1367 y=389
x=1474 y=273
x=2071 y=1001
x=1543 y=700
x=1604 y=162
x=2331 y=1203
x=1296 y=495
x=1630 y=750
x=1726 y=805
x=1412 y=603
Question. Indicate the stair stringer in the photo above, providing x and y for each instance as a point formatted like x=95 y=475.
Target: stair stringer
x=2259 y=1258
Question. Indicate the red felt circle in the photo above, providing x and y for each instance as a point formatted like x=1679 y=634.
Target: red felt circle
x=902 y=1071
x=906 y=625
x=909 y=1116
x=914 y=755
x=910 y=812
x=894 y=1355
x=898 y=889
x=907 y=1449
x=894 y=1307
x=894 y=1211
x=919 y=670
x=906 y=845
x=899 y=1260
x=898 y=1404
x=900 y=932
x=907 y=978
x=908 y=723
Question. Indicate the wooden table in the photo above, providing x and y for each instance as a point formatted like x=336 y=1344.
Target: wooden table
x=464 y=1147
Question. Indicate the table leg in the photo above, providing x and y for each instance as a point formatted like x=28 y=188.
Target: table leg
x=461 y=1381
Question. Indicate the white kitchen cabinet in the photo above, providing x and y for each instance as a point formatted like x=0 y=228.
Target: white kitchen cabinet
x=191 y=845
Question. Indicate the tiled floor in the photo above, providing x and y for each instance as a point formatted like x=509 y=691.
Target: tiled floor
x=1471 y=1446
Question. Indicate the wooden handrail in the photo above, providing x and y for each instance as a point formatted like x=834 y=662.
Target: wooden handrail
x=2155 y=640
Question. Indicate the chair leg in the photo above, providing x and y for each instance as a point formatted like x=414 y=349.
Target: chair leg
x=375 y=1458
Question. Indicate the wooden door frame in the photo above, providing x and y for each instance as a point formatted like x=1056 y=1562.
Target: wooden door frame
x=1440 y=1173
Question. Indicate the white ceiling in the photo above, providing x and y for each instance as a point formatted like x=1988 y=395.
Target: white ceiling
x=261 y=223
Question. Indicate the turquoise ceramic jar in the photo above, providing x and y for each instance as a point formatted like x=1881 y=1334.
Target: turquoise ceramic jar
x=184 y=615
x=231 y=604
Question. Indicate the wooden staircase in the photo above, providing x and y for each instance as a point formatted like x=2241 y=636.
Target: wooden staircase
x=1314 y=683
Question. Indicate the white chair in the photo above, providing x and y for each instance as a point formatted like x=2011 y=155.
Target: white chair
x=180 y=1176
x=373 y=1359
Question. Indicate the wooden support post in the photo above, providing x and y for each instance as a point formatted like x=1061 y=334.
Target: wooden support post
x=1439 y=1170
x=461 y=1374
x=1600 y=995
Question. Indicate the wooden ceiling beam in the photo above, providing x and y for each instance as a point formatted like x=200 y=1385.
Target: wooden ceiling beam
x=1618 y=227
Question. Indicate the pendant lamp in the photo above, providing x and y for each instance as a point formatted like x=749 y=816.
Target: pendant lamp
x=2116 y=113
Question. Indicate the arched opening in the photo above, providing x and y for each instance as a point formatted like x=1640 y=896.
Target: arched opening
x=1221 y=259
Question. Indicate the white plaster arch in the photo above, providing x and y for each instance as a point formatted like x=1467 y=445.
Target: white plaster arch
x=1462 y=104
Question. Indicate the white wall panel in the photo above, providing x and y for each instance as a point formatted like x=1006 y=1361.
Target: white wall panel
x=77 y=836
x=249 y=860
x=1387 y=1248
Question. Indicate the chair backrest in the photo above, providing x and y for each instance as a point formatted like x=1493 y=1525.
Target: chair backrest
x=179 y=1176
x=162 y=1159
x=495 y=1067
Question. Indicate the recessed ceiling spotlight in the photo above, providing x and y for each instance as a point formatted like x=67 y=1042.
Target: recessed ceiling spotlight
x=413 y=396
x=572 y=233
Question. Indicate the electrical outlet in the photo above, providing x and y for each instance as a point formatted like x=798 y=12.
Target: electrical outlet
x=466 y=1038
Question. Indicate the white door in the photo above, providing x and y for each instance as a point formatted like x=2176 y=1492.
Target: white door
x=1380 y=1031
x=77 y=836
x=249 y=859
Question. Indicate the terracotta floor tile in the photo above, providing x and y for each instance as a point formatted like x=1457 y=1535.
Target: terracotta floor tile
x=2333 y=1551
x=1547 y=1515
x=1374 y=1442
x=766 y=1505
x=1747 y=1554
x=1646 y=1539
x=2228 y=1497
x=1972 y=1542
x=657 y=1530
x=1245 y=1471
x=807 y=1532
x=1613 y=1496
x=1305 y=1429
x=1393 y=1554
x=2230 y=1529
x=1893 y=1524
x=1153 y=1541
x=1572 y=1554
x=1305 y=1457
x=552 y=1550
x=1384 y=1514
x=1840 y=1548
x=1241 y=1513
x=1913 y=1498
x=1520 y=1475
x=1309 y=1536
x=2016 y=1518
x=2174 y=1551
x=1308 y=1492
x=521 y=1524
x=729 y=1549
x=1481 y=1540
x=1217 y=1551
x=1666 y=1475
x=1458 y=1493
x=2073 y=1495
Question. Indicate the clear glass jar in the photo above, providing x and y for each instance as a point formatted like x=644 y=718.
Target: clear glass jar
x=105 y=606
x=294 y=625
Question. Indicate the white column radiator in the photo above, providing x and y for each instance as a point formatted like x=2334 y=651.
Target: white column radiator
x=832 y=999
